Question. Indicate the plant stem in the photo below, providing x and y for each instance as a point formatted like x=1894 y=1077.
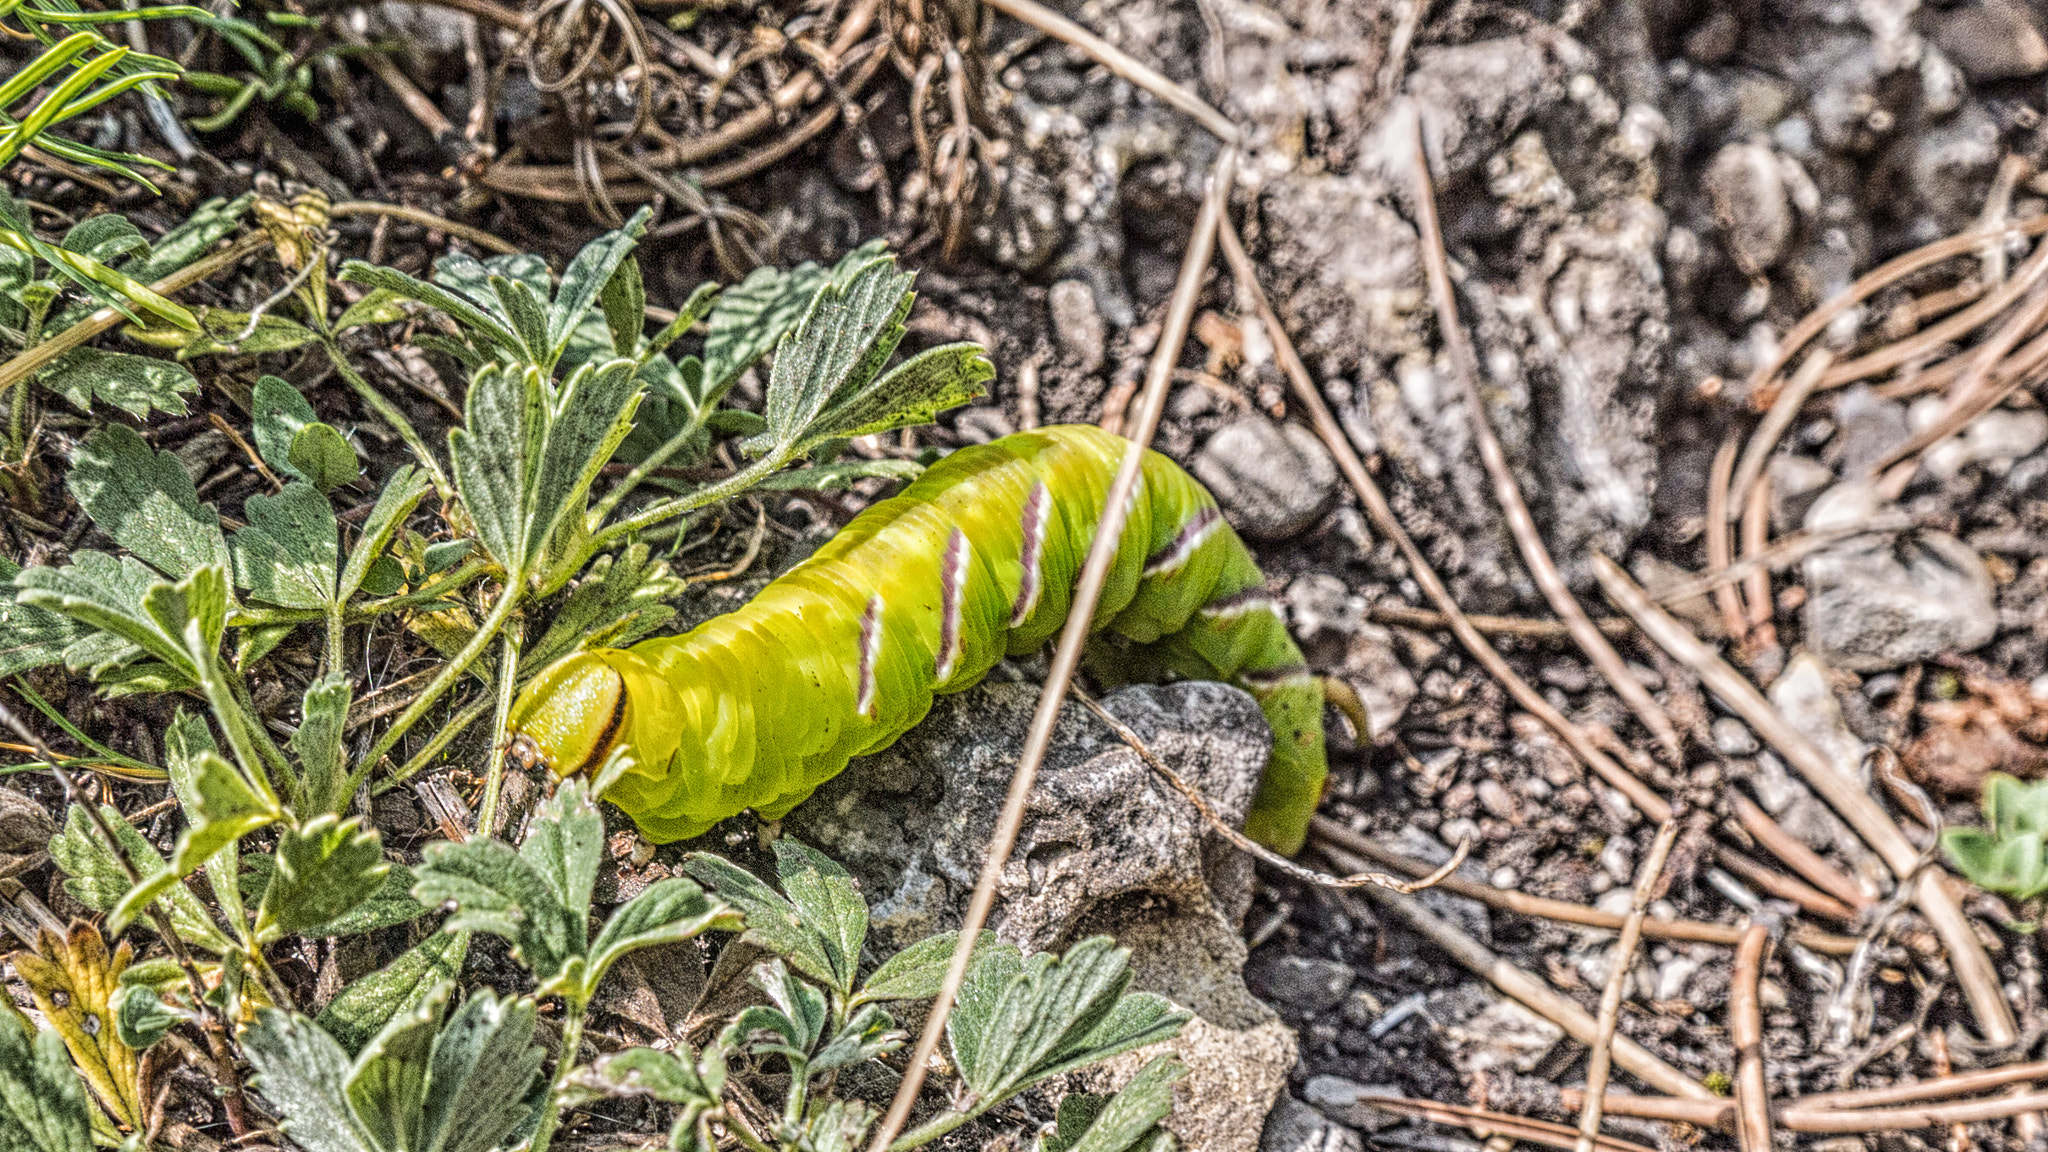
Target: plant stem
x=494 y=775
x=732 y=485
x=932 y=1129
x=508 y=600
x=389 y=413
x=572 y=1039
x=645 y=468
x=337 y=629
x=441 y=739
x=741 y=1130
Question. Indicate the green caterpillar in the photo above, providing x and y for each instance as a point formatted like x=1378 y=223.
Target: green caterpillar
x=922 y=594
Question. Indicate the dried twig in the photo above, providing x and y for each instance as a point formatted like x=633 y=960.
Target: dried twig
x=1976 y=391
x=1489 y=1122
x=1465 y=361
x=1720 y=552
x=1073 y=636
x=1762 y=442
x=1331 y=834
x=1972 y=966
x=1803 y=860
x=1408 y=617
x=1120 y=62
x=1600 y=1062
x=1245 y=843
x=424 y=219
x=1746 y=1030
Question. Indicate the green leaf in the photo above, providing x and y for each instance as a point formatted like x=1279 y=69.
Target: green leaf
x=867 y=1035
x=481 y=323
x=122 y=598
x=140 y=1016
x=304 y=1074
x=206 y=226
x=527 y=312
x=619 y=600
x=565 y=844
x=624 y=302
x=378 y=306
x=669 y=911
x=791 y=1028
x=664 y=1076
x=844 y=339
x=323 y=456
x=288 y=554
x=42 y=1101
x=224 y=332
x=364 y=1007
x=280 y=410
x=756 y=313
x=840 y=1126
x=484 y=1066
x=96 y=880
x=322 y=767
x=829 y=901
x=838 y=476
x=386 y=1089
x=494 y=890
x=590 y=416
x=439 y=558
x=325 y=869
x=221 y=810
x=389 y=906
x=134 y=384
x=106 y=238
x=914 y=392
x=994 y=968
x=146 y=502
x=917 y=972
x=586 y=278
x=401 y=494
x=1129 y=1120
x=773 y=924
x=30 y=637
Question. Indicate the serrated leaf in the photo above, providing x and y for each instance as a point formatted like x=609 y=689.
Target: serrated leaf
x=494 y=456
x=794 y=1025
x=113 y=596
x=756 y=313
x=304 y=1074
x=669 y=911
x=496 y=891
x=401 y=494
x=619 y=600
x=773 y=923
x=134 y=384
x=590 y=416
x=206 y=226
x=222 y=809
x=525 y=312
x=664 y=1076
x=840 y=1126
x=565 y=844
x=624 y=303
x=386 y=1089
x=225 y=332
x=146 y=502
x=868 y=1034
x=389 y=906
x=96 y=880
x=988 y=978
x=42 y=1103
x=364 y=1007
x=324 y=870
x=378 y=306
x=279 y=410
x=839 y=475
x=289 y=552
x=844 y=339
x=829 y=901
x=323 y=456
x=1135 y=1020
x=914 y=392
x=918 y=972
x=323 y=770
x=30 y=637
x=460 y=308
x=484 y=1065
x=586 y=278
x=1129 y=1120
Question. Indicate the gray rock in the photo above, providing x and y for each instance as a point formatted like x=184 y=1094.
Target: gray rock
x=1474 y=97
x=1996 y=439
x=1233 y=1079
x=1867 y=427
x=1746 y=185
x=1106 y=846
x=1991 y=39
x=1274 y=480
x=1374 y=670
x=1295 y=1127
x=1308 y=984
x=1350 y=1103
x=1877 y=602
x=1078 y=323
x=1733 y=738
x=1796 y=482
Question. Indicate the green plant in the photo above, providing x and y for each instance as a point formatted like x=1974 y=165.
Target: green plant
x=2007 y=855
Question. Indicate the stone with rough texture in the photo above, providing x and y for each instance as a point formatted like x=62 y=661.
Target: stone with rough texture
x=1349 y=1102
x=1273 y=480
x=1877 y=602
x=1296 y=1127
x=1234 y=1076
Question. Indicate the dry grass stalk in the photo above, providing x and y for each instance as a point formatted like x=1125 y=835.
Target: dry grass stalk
x=1120 y=62
x=1972 y=965
x=1803 y=860
x=1486 y=1121
x=1720 y=549
x=1746 y=1030
x=1600 y=1062
x=1073 y=637
x=1406 y=617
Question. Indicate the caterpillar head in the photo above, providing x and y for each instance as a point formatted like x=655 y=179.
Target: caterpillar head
x=570 y=716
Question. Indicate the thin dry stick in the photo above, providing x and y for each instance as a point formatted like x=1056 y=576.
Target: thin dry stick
x=1330 y=834
x=1782 y=886
x=1958 y=1085
x=1906 y=1119
x=1528 y=540
x=1972 y=394
x=1927 y=340
x=1771 y=428
x=1600 y=1063
x=35 y=359
x=1699 y=1113
x=1720 y=552
x=1788 y=550
x=1538 y=996
x=1245 y=843
x=1797 y=855
x=1966 y=953
x=1066 y=656
x=424 y=219
x=1746 y=1029
x=1120 y=62
x=1756 y=586
x=1486 y=1121
x=1408 y=617
x=1761 y=391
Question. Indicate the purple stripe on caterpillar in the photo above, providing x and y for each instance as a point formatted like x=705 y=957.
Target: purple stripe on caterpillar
x=952 y=604
x=1199 y=528
x=1036 y=516
x=870 y=655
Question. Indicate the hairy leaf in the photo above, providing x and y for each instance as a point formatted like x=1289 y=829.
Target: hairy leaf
x=289 y=552
x=618 y=600
x=146 y=502
x=386 y=1089
x=668 y=911
x=30 y=637
x=322 y=767
x=106 y=238
x=279 y=410
x=304 y=1074
x=844 y=339
x=323 y=456
x=496 y=891
x=134 y=384
x=756 y=313
x=773 y=923
x=564 y=846
x=914 y=392
x=830 y=903
x=96 y=880
x=484 y=1065
x=484 y=326
x=325 y=869
x=364 y=1007
x=839 y=475
x=141 y=1018
x=401 y=493
x=917 y=972
x=1127 y=1121
x=42 y=1104
x=586 y=278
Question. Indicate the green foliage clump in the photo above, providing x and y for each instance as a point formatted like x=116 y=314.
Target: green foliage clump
x=2006 y=855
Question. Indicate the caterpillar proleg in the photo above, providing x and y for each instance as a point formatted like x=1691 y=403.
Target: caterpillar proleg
x=923 y=594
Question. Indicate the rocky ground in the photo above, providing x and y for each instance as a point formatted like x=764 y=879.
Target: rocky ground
x=1640 y=200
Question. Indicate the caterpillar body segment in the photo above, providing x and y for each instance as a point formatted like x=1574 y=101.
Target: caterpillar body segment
x=922 y=594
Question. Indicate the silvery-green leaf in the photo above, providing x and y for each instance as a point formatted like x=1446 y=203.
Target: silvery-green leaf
x=189 y=241
x=325 y=868
x=917 y=972
x=390 y=905
x=134 y=384
x=106 y=238
x=226 y=809
x=592 y=414
x=484 y=1065
x=525 y=312
x=364 y=1007
x=618 y=600
x=585 y=278
x=624 y=303
x=279 y=410
x=289 y=552
x=664 y=1076
x=756 y=313
x=187 y=739
x=464 y=311
x=146 y=502
x=843 y=341
x=668 y=911
x=772 y=922
x=223 y=331
x=494 y=455
x=113 y=597
x=95 y=879
x=1125 y=1122
x=304 y=1074
x=840 y=1126
x=914 y=392
x=869 y=1033
x=30 y=637
x=323 y=456
x=994 y=969
x=829 y=901
x=496 y=891
x=378 y=306
x=401 y=494
x=1063 y=1013
x=323 y=771
x=565 y=844
x=1136 y=1019
x=839 y=475
x=387 y=1086
x=140 y=1016
x=42 y=1101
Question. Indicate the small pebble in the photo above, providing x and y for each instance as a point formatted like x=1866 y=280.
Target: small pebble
x=1504 y=878
x=1345 y=1101
x=1495 y=798
x=1733 y=738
